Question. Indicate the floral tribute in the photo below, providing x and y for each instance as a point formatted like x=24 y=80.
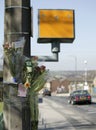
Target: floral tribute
x=13 y=53
x=32 y=77
x=9 y=52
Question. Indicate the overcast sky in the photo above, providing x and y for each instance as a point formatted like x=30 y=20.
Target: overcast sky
x=84 y=46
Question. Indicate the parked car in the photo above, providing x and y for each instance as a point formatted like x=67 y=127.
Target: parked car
x=46 y=92
x=79 y=96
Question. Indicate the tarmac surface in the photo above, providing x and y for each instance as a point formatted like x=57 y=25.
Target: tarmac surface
x=49 y=120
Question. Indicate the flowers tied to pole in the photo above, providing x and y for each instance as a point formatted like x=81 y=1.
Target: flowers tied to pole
x=13 y=53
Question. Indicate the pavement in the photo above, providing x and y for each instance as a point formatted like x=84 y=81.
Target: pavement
x=51 y=119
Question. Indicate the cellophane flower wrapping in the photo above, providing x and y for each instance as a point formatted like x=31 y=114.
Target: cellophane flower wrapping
x=13 y=53
x=34 y=81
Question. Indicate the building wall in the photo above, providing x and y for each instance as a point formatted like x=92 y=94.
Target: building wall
x=57 y=83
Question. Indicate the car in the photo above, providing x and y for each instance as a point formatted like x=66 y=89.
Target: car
x=79 y=96
x=46 y=92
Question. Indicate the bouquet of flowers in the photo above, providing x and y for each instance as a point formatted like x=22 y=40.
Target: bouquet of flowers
x=10 y=54
x=34 y=78
x=13 y=53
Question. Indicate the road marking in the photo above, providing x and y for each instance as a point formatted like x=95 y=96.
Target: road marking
x=88 y=109
x=91 y=111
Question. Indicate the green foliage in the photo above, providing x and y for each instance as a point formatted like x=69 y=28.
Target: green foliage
x=34 y=78
x=1 y=73
x=38 y=83
x=1 y=107
x=1 y=121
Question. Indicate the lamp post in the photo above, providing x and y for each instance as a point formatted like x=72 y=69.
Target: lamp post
x=75 y=72
x=85 y=62
x=75 y=60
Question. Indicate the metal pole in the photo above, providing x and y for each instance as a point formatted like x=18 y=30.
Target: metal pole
x=76 y=72
x=85 y=62
x=75 y=60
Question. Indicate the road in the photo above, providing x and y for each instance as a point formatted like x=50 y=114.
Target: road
x=57 y=114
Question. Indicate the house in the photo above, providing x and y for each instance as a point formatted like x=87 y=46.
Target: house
x=55 y=84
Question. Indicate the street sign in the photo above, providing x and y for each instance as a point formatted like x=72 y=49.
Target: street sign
x=56 y=25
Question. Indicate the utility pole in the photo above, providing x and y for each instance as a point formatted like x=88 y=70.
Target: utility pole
x=17 y=25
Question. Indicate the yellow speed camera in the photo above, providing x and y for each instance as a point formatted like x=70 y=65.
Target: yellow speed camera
x=56 y=25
